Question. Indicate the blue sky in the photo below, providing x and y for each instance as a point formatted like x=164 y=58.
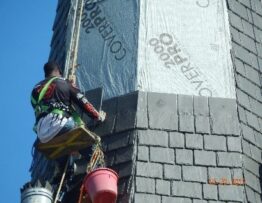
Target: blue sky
x=25 y=36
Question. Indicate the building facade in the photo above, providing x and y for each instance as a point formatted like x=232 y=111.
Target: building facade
x=182 y=84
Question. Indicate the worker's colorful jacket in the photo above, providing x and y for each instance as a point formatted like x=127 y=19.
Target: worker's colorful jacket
x=60 y=96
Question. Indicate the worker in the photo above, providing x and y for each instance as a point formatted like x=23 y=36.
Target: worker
x=53 y=99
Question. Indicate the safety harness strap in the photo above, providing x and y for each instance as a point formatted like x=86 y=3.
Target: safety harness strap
x=77 y=118
x=43 y=92
x=33 y=100
x=39 y=108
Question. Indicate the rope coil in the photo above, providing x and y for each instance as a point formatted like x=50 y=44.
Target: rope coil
x=97 y=158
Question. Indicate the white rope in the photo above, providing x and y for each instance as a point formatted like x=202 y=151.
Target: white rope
x=62 y=181
x=71 y=60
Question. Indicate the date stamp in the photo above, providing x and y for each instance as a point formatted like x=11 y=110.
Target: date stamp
x=225 y=181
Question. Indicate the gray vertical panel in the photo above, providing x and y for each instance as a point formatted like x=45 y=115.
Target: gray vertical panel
x=108 y=47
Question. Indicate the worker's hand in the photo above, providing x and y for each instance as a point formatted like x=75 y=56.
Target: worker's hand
x=102 y=116
x=72 y=82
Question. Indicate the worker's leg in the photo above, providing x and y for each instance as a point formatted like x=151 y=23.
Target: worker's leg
x=69 y=125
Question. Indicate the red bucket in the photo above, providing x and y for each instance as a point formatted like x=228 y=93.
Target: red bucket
x=101 y=185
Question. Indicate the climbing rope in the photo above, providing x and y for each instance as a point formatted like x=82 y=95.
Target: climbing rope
x=62 y=181
x=71 y=59
x=97 y=157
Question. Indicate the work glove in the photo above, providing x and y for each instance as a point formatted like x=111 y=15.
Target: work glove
x=102 y=116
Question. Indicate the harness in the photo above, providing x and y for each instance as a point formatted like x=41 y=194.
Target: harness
x=41 y=109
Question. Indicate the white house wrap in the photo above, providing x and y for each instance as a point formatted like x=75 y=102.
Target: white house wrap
x=166 y=46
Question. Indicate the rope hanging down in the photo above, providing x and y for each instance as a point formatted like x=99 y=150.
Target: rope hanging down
x=72 y=54
x=62 y=181
x=71 y=59
x=97 y=157
x=70 y=70
x=70 y=65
